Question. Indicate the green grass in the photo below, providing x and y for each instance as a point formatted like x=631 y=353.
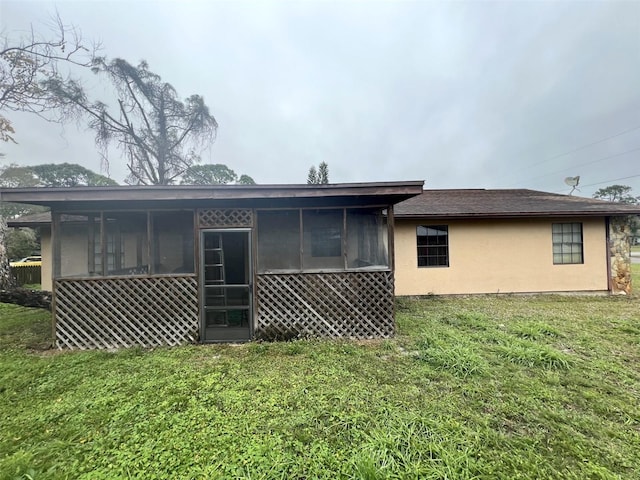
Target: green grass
x=471 y=388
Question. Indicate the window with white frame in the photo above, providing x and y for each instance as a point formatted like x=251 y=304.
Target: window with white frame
x=567 y=243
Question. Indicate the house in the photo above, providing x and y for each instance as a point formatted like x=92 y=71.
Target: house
x=164 y=265
x=510 y=241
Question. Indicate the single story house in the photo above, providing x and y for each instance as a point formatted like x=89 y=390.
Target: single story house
x=510 y=241
x=164 y=265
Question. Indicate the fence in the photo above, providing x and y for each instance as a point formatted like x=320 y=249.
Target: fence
x=26 y=275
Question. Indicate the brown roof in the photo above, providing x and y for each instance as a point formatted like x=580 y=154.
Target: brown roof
x=505 y=203
x=33 y=220
x=125 y=196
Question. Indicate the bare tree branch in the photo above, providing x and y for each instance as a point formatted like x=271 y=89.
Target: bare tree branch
x=30 y=61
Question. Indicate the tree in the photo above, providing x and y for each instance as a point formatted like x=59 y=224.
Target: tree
x=323 y=173
x=6 y=279
x=319 y=176
x=622 y=194
x=26 y=65
x=51 y=175
x=29 y=62
x=617 y=193
x=217 y=174
x=312 y=177
x=22 y=242
x=160 y=135
x=245 y=180
x=68 y=175
x=46 y=175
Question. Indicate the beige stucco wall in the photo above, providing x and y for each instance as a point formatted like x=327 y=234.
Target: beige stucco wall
x=500 y=256
x=46 y=271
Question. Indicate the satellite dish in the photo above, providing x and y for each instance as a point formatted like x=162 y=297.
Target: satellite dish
x=572 y=182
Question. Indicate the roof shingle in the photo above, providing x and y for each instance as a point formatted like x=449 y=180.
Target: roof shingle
x=505 y=203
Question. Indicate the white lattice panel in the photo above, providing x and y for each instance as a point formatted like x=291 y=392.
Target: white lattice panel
x=124 y=312
x=232 y=217
x=354 y=305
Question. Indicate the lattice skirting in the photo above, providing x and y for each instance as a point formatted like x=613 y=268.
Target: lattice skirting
x=353 y=305
x=125 y=312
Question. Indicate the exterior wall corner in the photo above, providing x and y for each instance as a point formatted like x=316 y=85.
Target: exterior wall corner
x=620 y=254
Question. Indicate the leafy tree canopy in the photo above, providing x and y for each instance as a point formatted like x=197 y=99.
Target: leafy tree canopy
x=217 y=174
x=52 y=175
x=46 y=175
x=617 y=193
x=21 y=242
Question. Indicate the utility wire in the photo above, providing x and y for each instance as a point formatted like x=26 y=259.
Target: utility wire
x=613 y=180
x=589 y=145
x=574 y=167
x=577 y=149
x=600 y=183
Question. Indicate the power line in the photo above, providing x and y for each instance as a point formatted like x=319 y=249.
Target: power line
x=577 y=149
x=590 y=144
x=574 y=167
x=613 y=180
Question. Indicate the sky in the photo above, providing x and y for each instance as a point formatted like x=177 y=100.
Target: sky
x=507 y=94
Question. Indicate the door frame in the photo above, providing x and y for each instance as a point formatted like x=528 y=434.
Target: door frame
x=201 y=280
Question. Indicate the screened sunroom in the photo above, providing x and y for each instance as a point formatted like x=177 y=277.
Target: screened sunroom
x=168 y=265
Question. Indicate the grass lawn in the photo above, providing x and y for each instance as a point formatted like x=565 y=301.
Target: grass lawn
x=511 y=387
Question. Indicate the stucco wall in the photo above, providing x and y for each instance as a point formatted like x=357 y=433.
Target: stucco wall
x=500 y=256
x=46 y=273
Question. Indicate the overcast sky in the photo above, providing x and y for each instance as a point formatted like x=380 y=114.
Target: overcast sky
x=460 y=94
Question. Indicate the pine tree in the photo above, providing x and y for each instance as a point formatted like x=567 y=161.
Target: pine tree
x=312 y=178
x=323 y=173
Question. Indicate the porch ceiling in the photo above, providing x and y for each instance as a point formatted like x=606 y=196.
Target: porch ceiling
x=257 y=196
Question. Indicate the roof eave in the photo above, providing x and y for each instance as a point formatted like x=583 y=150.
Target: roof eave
x=394 y=191
x=444 y=216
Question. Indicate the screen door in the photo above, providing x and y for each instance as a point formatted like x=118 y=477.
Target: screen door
x=226 y=285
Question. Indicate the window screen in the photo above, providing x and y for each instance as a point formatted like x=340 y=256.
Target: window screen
x=172 y=244
x=279 y=240
x=322 y=232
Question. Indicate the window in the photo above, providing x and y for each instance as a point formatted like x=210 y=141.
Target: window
x=433 y=246
x=172 y=247
x=567 y=243
x=279 y=240
x=322 y=234
x=322 y=239
x=127 y=246
x=125 y=249
x=113 y=252
x=77 y=236
x=367 y=241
